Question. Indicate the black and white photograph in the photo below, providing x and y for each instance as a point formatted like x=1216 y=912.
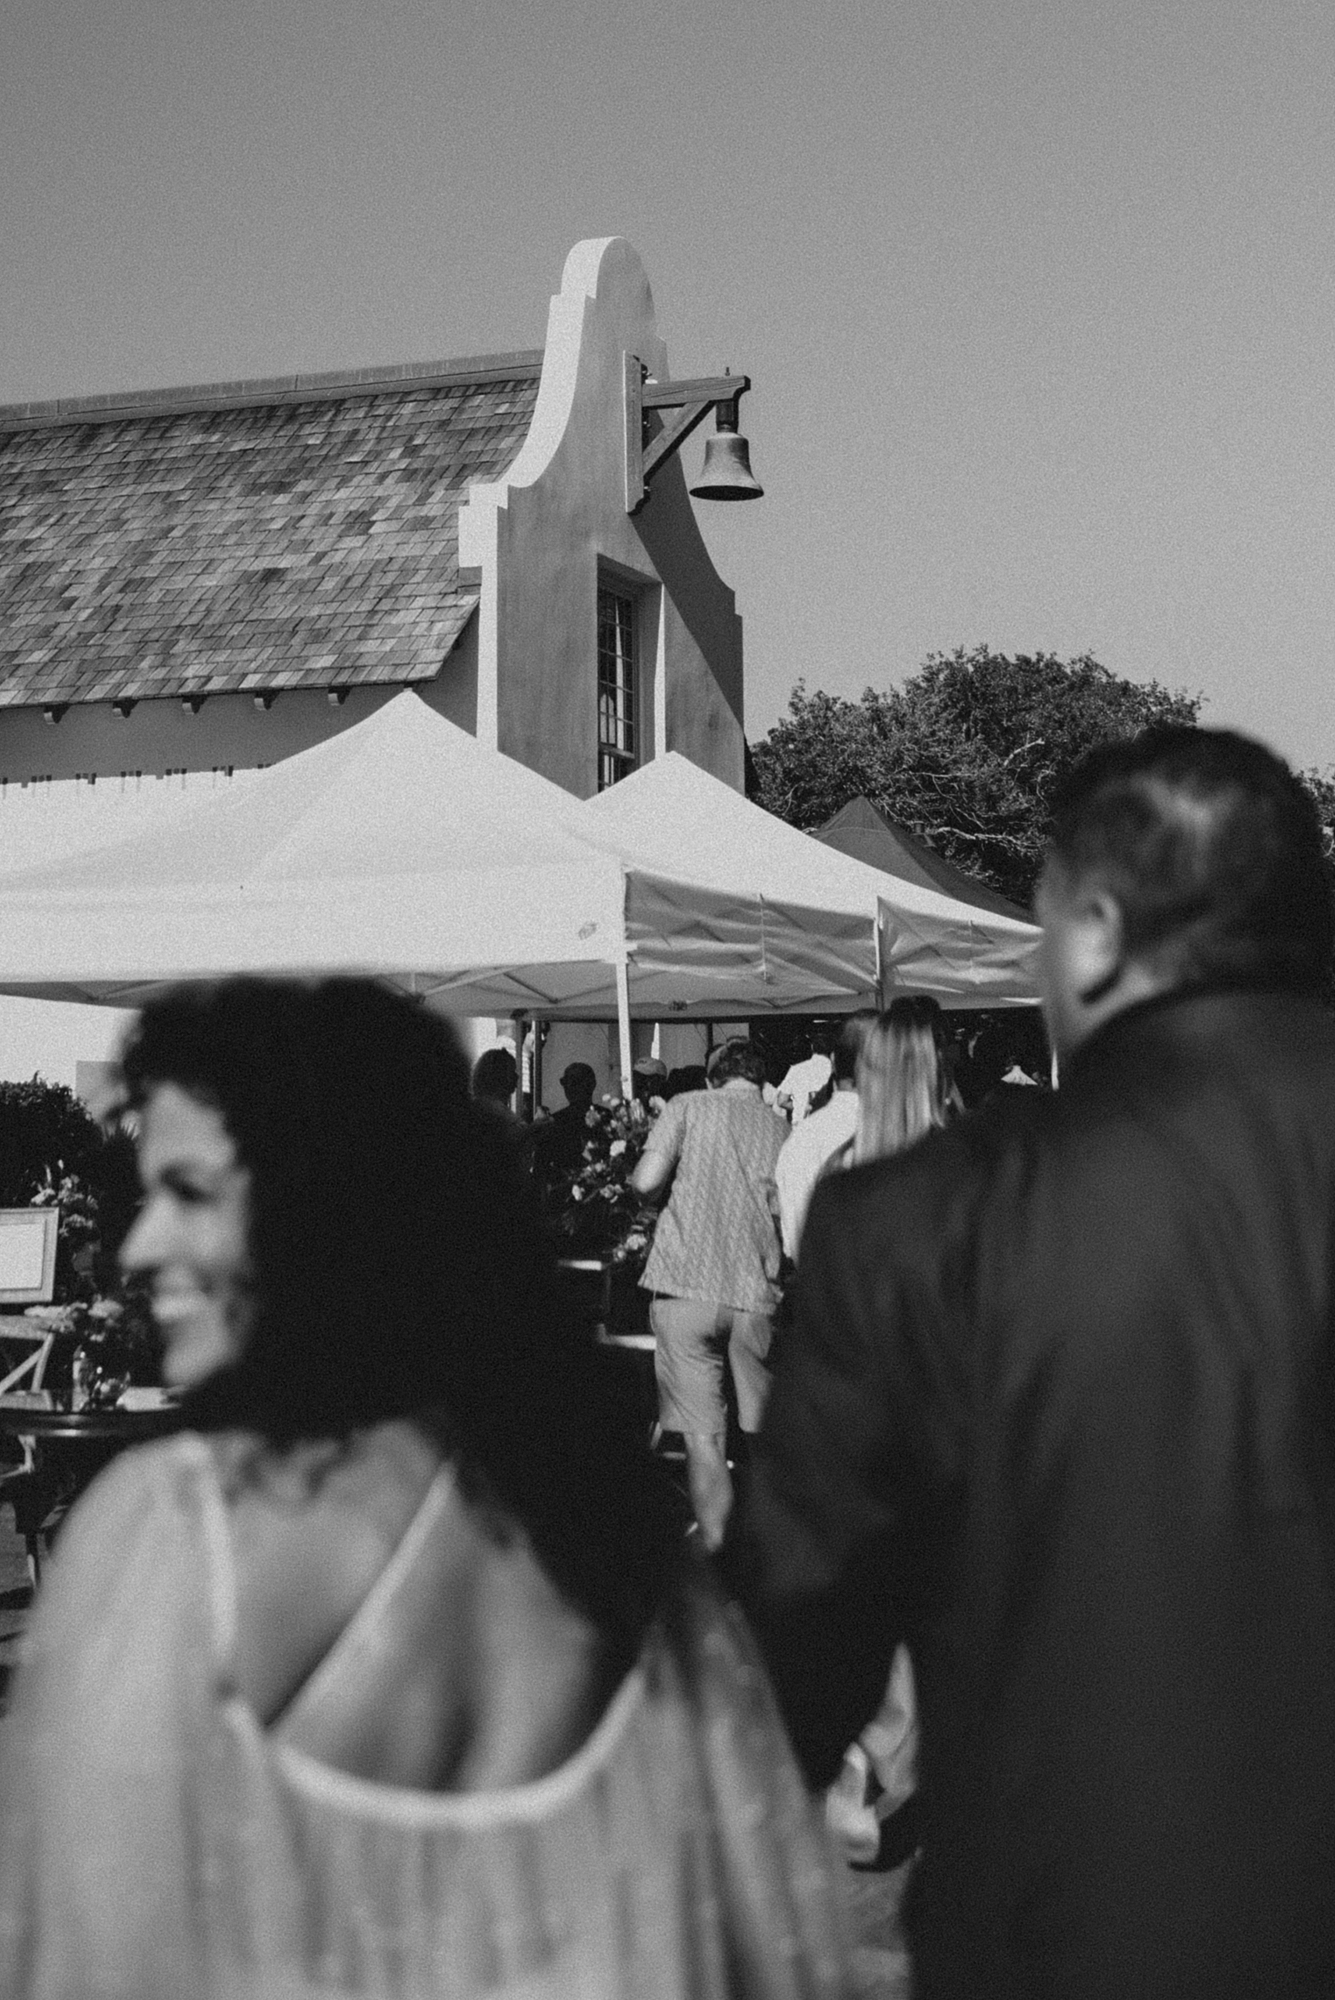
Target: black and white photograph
x=667 y=1168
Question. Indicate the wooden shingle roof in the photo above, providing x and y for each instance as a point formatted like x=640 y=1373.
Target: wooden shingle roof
x=246 y=537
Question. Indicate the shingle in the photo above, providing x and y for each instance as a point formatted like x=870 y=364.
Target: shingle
x=152 y=553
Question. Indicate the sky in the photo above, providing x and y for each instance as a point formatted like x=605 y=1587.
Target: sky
x=1036 y=296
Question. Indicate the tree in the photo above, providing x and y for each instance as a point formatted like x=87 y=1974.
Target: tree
x=966 y=754
x=45 y=1132
x=1321 y=784
x=52 y=1153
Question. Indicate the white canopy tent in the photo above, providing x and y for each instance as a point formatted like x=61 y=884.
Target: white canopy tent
x=929 y=942
x=401 y=849
x=44 y=821
x=52 y=819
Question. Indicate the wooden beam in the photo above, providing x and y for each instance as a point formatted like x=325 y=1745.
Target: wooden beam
x=673 y=436
x=709 y=388
x=649 y=448
x=633 y=409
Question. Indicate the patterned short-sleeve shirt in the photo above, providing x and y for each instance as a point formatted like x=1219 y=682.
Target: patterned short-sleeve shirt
x=717 y=1237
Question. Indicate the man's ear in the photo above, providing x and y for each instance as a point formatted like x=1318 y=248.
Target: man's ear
x=1098 y=944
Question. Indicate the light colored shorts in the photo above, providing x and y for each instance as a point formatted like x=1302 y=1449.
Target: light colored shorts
x=694 y=1339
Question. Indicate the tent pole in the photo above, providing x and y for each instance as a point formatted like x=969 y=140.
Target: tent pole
x=520 y=1027
x=623 y=1028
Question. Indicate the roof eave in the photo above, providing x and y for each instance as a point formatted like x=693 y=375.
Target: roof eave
x=337 y=385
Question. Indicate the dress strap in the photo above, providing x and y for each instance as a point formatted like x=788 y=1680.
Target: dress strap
x=197 y=1457
x=368 y=1621
x=220 y=1569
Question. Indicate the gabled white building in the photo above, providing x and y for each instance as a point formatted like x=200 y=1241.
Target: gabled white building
x=198 y=580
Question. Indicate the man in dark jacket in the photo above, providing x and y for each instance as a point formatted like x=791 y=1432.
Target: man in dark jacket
x=561 y=1140
x=1058 y=1410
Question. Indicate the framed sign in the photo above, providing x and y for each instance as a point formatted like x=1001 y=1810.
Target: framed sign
x=28 y=1255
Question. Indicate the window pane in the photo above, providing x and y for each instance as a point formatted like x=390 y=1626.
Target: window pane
x=616 y=687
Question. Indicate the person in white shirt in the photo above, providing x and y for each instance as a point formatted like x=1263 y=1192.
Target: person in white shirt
x=803 y=1082
x=818 y=1137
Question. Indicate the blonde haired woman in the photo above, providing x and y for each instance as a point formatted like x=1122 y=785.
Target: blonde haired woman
x=904 y=1082
x=905 y=1091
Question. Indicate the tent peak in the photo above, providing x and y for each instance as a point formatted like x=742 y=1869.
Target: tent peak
x=859 y=812
x=863 y=832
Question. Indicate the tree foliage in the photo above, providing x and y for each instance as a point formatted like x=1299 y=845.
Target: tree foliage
x=1321 y=784
x=966 y=754
x=45 y=1132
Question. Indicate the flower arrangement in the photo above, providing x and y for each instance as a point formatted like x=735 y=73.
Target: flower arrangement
x=53 y=1156
x=102 y=1345
x=80 y=1230
x=83 y=1373
x=596 y=1212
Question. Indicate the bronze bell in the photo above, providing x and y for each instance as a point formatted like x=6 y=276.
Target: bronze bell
x=727 y=473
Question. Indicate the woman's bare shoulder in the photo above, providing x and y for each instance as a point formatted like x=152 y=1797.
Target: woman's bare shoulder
x=128 y=1492
x=311 y=1530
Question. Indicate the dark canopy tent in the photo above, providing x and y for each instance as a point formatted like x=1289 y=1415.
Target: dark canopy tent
x=865 y=833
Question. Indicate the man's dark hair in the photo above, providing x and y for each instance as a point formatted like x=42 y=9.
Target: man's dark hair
x=399 y=1270
x=853 y=1032
x=495 y=1075
x=579 y=1079
x=737 y=1058
x=1213 y=850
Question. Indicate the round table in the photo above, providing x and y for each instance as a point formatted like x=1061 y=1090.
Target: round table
x=123 y=1427
x=70 y=1449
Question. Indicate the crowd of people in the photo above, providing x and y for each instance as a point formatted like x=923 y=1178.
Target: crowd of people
x=392 y=1672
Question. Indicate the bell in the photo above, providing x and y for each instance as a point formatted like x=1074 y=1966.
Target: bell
x=727 y=473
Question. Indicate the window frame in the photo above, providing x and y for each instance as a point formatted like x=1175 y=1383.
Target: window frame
x=619 y=720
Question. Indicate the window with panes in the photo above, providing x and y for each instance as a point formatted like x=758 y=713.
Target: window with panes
x=618 y=720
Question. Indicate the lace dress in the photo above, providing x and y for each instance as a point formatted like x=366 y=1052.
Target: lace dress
x=156 y=1840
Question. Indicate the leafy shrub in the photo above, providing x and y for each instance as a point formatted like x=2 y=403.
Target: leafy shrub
x=54 y=1154
x=45 y=1134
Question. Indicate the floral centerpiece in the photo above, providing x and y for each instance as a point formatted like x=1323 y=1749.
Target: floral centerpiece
x=102 y=1346
x=595 y=1211
x=80 y=1229
x=53 y=1156
x=105 y=1336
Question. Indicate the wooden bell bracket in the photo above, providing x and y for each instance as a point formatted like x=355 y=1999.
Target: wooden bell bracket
x=650 y=442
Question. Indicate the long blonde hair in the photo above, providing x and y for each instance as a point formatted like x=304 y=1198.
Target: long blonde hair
x=904 y=1083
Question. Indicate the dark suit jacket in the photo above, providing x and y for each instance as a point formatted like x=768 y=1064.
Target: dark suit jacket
x=560 y=1142
x=1057 y=1410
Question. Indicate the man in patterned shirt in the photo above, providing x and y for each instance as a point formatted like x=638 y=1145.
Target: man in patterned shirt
x=714 y=1265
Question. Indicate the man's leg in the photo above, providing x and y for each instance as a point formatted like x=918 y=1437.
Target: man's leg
x=750 y=1335
x=689 y=1337
x=710 y=1484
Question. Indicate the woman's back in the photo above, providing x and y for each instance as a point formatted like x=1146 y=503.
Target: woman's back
x=393 y=1630
x=321 y=1697
x=165 y=1838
